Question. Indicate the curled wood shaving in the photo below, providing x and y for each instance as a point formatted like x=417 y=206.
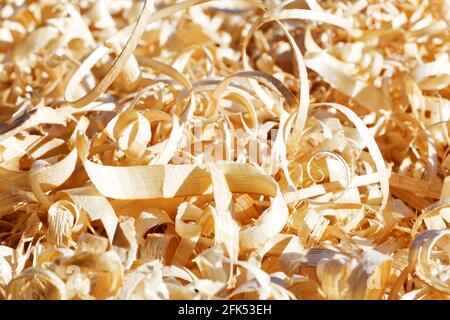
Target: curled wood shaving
x=241 y=149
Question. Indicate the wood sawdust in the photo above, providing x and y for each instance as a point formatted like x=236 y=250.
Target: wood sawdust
x=238 y=149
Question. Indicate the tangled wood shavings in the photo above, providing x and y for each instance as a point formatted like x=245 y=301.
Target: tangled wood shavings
x=239 y=149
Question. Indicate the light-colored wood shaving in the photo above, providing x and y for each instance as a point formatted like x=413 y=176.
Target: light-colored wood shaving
x=238 y=149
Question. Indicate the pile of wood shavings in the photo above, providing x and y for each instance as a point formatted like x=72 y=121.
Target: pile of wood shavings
x=113 y=115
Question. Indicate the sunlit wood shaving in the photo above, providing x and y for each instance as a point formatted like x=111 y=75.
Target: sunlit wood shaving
x=243 y=149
